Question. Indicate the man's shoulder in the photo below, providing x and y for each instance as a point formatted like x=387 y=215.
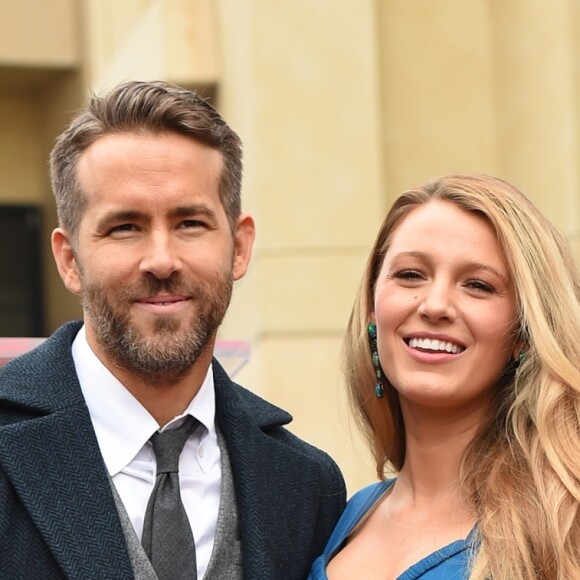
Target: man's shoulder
x=41 y=376
x=56 y=347
x=271 y=420
x=233 y=399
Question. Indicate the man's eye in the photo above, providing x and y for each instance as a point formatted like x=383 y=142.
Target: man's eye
x=122 y=228
x=192 y=224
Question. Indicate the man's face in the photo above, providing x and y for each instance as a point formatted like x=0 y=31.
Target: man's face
x=155 y=257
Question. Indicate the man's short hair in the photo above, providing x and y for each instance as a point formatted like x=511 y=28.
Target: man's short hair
x=142 y=107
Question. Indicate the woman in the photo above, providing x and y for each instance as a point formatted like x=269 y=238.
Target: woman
x=462 y=361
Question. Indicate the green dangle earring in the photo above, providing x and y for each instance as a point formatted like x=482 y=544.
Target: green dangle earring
x=372 y=333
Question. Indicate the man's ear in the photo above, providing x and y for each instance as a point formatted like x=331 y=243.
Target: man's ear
x=243 y=243
x=64 y=256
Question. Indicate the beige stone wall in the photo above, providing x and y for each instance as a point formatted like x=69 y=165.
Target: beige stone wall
x=307 y=75
x=149 y=39
x=341 y=105
x=38 y=33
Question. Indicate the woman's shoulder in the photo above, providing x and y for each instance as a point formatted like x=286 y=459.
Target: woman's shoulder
x=358 y=505
x=366 y=497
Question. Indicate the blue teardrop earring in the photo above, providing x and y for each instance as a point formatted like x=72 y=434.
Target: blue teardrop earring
x=372 y=333
x=516 y=362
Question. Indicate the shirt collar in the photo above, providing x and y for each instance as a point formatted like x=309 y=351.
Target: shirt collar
x=122 y=425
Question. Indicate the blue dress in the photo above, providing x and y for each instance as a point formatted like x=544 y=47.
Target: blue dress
x=449 y=563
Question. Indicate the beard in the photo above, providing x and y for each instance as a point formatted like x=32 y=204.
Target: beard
x=163 y=351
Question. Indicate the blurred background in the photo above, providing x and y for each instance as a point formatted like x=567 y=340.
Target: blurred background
x=341 y=104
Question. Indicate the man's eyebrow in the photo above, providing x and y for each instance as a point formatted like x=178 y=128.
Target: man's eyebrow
x=194 y=210
x=120 y=216
x=180 y=211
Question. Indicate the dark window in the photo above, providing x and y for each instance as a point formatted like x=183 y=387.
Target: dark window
x=21 y=312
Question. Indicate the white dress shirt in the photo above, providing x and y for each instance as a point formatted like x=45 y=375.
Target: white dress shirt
x=123 y=428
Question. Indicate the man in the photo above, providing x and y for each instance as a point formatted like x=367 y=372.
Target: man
x=147 y=186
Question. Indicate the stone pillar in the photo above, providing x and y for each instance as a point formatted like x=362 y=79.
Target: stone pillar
x=299 y=81
x=536 y=65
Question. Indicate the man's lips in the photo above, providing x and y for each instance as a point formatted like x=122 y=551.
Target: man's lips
x=162 y=299
x=163 y=304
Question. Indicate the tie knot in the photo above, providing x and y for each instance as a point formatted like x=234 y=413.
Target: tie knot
x=168 y=445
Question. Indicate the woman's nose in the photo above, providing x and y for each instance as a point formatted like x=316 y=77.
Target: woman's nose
x=437 y=303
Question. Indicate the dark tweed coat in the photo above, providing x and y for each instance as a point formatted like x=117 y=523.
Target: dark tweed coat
x=57 y=513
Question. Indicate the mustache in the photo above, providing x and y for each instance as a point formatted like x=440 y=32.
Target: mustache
x=150 y=286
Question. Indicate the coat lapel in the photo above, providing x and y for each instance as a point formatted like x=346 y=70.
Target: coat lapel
x=51 y=456
x=54 y=464
x=277 y=491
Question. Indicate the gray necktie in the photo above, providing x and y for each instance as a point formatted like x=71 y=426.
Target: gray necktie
x=167 y=537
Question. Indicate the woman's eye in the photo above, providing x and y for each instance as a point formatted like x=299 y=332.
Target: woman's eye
x=408 y=276
x=480 y=286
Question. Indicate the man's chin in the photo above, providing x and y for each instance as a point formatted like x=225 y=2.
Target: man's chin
x=163 y=326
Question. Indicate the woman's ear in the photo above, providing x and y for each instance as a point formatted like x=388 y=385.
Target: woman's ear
x=64 y=256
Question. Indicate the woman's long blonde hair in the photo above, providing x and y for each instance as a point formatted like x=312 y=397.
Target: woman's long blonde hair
x=522 y=470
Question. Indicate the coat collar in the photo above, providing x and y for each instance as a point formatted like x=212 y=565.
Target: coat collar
x=234 y=398
x=277 y=484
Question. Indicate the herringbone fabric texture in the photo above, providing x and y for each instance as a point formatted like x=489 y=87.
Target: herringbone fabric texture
x=58 y=518
x=167 y=537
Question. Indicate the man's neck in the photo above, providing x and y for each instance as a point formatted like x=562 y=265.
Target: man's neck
x=165 y=401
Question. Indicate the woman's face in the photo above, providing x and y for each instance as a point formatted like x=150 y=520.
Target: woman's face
x=445 y=309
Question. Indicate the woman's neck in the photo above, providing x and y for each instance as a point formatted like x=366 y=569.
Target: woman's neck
x=435 y=444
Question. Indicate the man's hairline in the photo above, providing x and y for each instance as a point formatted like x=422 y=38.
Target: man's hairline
x=73 y=233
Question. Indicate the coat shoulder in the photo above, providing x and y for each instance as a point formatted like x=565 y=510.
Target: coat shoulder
x=272 y=421
x=43 y=379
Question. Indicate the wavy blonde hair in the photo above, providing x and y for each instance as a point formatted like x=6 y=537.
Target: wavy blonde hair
x=522 y=470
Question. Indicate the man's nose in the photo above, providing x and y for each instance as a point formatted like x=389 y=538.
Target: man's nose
x=160 y=257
